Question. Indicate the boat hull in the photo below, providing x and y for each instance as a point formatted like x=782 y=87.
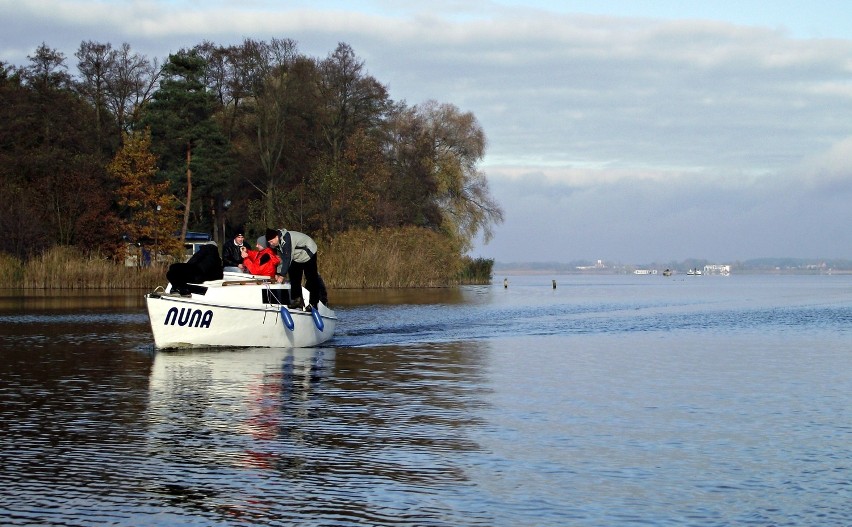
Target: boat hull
x=198 y=321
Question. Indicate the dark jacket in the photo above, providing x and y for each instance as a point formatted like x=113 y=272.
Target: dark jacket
x=207 y=262
x=231 y=254
x=204 y=265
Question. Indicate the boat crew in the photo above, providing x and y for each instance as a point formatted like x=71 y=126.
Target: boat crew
x=298 y=253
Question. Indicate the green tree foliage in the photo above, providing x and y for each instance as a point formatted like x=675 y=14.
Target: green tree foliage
x=193 y=152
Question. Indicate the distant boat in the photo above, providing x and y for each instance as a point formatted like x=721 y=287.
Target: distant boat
x=667 y=272
x=694 y=272
x=645 y=271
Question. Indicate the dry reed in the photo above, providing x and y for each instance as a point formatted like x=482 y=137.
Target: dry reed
x=358 y=259
x=65 y=268
x=389 y=258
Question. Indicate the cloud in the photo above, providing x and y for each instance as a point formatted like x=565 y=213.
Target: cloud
x=632 y=221
x=828 y=172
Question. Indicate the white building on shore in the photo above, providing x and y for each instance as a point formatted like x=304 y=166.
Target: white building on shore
x=723 y=270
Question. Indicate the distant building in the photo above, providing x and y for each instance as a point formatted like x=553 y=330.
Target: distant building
x=598 y=265
x=723 y=270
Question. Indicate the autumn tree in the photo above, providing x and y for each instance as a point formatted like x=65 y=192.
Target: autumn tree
x=149 y=213
x=238 y=78
x=285 y=117
x=234 y=75
x=269 y=99
x=355 y=105
x=20 y=218
x=7 y=71
x=47 y=70
x=319 y=144
x=409 y=197
x=461 y=189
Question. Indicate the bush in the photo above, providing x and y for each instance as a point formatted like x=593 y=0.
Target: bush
x=476 y=270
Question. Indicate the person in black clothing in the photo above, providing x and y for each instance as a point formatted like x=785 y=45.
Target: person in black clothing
x=232 y=259
x=204 y=265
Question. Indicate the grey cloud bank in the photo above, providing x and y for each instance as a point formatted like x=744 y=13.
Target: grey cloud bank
x=622 y=138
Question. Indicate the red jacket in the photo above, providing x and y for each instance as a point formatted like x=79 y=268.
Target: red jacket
x=269 y=260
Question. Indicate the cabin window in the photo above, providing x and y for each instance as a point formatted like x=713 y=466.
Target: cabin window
x=276 y=296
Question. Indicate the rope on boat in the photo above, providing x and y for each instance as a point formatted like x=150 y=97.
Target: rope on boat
x=286 y=317
x=157 y=292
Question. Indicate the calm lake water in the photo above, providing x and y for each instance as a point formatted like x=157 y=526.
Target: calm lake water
x=610 y=400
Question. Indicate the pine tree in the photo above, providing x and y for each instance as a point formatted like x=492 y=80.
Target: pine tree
x=193 y=152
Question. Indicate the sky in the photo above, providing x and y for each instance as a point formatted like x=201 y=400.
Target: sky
x=628 y=131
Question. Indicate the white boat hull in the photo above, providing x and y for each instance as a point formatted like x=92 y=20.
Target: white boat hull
x=236 y=316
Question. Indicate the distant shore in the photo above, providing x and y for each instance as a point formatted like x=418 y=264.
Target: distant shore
x=508 y=271
x=805 y=266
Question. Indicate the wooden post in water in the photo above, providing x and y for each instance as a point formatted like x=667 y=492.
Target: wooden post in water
x=554 y=284
x=505 y=283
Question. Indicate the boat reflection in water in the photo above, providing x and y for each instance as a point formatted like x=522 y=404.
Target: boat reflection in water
x=221 y=407
x=285 y=436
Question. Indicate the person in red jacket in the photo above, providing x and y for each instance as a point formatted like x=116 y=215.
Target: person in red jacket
x=263 y=262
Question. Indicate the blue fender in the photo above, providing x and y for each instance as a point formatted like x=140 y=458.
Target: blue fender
x=317 y=319
x=287 y=318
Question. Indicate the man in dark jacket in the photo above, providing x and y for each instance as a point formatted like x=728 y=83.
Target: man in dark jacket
x=204 y=265
x=232 y=259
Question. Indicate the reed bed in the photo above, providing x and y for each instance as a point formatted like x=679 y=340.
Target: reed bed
x=389 y=258
x=11 y=270
x=65 y=268
x=363 y=259
x=476 y=271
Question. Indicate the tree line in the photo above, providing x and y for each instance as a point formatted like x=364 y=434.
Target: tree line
x=225 y=138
